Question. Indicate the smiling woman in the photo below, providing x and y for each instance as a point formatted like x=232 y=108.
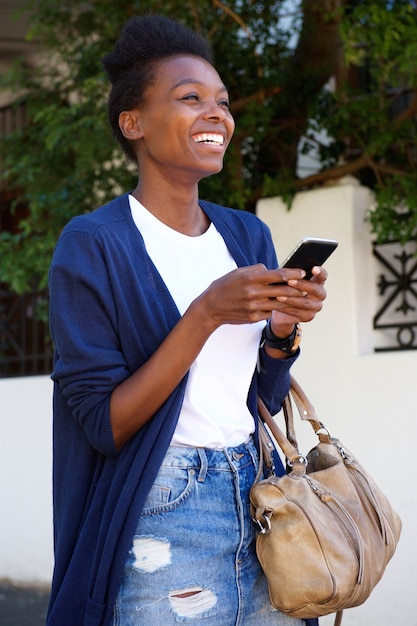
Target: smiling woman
x=159 y=302
x=179 y=133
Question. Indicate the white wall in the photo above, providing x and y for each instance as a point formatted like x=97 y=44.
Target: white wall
x=366 y=399
x=25 y=480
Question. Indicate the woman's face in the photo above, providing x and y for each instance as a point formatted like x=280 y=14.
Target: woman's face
x=185 y=124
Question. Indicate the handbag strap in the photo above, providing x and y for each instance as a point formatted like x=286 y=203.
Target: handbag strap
x=289 y=421
x=286 y=446
x=288 y=443
x=305 y=408
x=295 y=459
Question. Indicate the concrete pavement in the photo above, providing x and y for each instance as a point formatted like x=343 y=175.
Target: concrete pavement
x=21 y=606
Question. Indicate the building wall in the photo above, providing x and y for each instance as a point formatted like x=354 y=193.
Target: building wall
x=365 y=398
x=25 y=480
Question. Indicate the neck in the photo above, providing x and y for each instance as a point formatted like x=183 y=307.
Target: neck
x=177 y=209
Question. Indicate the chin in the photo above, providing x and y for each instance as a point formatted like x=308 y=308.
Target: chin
x=214 y=170
x=208 y=174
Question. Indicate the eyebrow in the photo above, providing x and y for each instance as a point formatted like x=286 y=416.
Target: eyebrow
x=194 y=81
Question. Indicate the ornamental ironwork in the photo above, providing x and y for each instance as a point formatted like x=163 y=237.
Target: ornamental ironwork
x=396 y=319
x=25 y=345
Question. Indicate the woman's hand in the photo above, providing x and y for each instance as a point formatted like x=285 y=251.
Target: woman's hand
x=253 y=293
x=301 y=304
x=243 y=296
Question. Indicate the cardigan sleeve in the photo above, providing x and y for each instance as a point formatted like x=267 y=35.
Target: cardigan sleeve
x=88 y=361
x=273 y=380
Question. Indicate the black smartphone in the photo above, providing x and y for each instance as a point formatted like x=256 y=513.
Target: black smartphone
x=309 y=252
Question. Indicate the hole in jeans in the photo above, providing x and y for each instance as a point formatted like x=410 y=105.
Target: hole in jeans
x=192 y=601
x=151 y=554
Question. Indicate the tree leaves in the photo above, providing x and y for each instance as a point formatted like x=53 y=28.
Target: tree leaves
x=274 y=56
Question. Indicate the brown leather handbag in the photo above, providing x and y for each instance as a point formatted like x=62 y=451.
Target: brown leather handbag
x=326 y=531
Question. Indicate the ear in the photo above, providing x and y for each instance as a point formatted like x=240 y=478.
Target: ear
x=129 y=124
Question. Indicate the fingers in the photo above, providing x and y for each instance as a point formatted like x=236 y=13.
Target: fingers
x=253 y=293
x=319 y=274
x=304 y=298
x=259 y=275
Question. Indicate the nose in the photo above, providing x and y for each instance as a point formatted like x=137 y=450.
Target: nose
x=215 y=112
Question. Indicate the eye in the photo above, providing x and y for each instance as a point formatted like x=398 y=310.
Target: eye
x=224 y=103
x=191 y=96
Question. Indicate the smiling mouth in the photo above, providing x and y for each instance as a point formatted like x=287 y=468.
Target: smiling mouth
x=209 y=138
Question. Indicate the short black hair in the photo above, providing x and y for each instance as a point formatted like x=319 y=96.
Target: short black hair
x=130 y=67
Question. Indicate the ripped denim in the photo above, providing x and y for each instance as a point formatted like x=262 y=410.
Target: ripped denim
x=193 y=555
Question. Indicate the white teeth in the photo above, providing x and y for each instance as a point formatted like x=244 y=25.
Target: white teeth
x=212 y=138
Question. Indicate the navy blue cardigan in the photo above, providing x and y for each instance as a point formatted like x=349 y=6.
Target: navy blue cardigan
x=109 y=311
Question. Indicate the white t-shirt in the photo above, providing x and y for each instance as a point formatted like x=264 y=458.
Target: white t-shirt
x=214 y=412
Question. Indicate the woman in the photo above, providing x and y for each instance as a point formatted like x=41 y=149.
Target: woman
x=159 y=304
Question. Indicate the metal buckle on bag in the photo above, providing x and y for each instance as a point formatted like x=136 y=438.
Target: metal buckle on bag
x=322 y=431
x=300 y=459
x=263 y=530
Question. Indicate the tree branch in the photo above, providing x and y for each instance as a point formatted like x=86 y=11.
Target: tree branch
x=234 y=16
x=365 y=160
x=333 y=173
x=407 y=113
x=259 y=97
x=389 y=170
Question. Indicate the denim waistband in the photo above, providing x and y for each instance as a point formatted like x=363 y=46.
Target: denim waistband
x=229 y=459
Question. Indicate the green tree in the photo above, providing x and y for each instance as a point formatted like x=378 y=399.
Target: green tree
x=294 y=70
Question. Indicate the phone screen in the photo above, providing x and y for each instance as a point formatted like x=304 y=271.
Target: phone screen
x=309 y=252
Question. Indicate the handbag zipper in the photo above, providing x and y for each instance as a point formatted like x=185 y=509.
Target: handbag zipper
x=344 y=520
x=384 y=526
x=363 y=483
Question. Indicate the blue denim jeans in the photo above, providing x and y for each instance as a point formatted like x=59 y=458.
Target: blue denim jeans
x=193 y=556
